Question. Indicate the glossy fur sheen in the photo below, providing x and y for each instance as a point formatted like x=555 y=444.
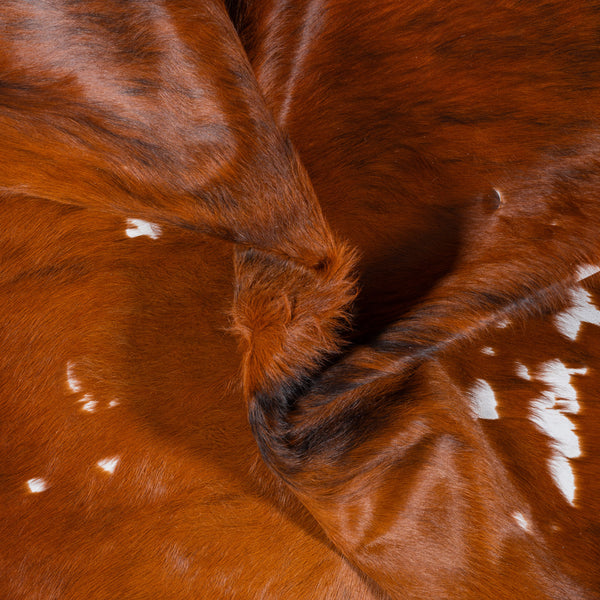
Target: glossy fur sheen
x=365 y=209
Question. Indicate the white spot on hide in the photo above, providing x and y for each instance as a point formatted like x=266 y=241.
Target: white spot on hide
x=109 y=464
x=89 y=403
x=549 y=418
x=563 y=475
x=72 y=381
x=138 y=227
x=549 y=413
x=521 y=521
x=585 y=271
x=484 y=400
x=503 y=323
x=36 y=485
x=523 y=371
x=557 y=376
x=582 y=310
x=488 y=350
x=113 y=403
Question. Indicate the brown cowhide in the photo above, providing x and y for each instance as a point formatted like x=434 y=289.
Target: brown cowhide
x=299 y=300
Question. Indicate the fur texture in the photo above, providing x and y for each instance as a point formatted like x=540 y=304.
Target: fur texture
x=360 y=212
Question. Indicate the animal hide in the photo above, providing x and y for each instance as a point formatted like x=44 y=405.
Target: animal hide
x=299 y=300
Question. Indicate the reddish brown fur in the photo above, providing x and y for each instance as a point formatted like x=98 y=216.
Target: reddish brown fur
x=279 y=436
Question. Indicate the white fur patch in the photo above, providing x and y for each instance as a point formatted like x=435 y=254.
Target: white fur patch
x=113 y=403
x=555 y=424
x=503 y=323
x=562 y=473
x=89 y=404
x=549 y=413
x=138 y=227
x=72 y=381
x=582 y=310
x=523 y=371
x=37 y=485
x=585 y=271
x=557 y=376
x=488 y=350
x=484 y=400
x=109 y=464
x=522 y=521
